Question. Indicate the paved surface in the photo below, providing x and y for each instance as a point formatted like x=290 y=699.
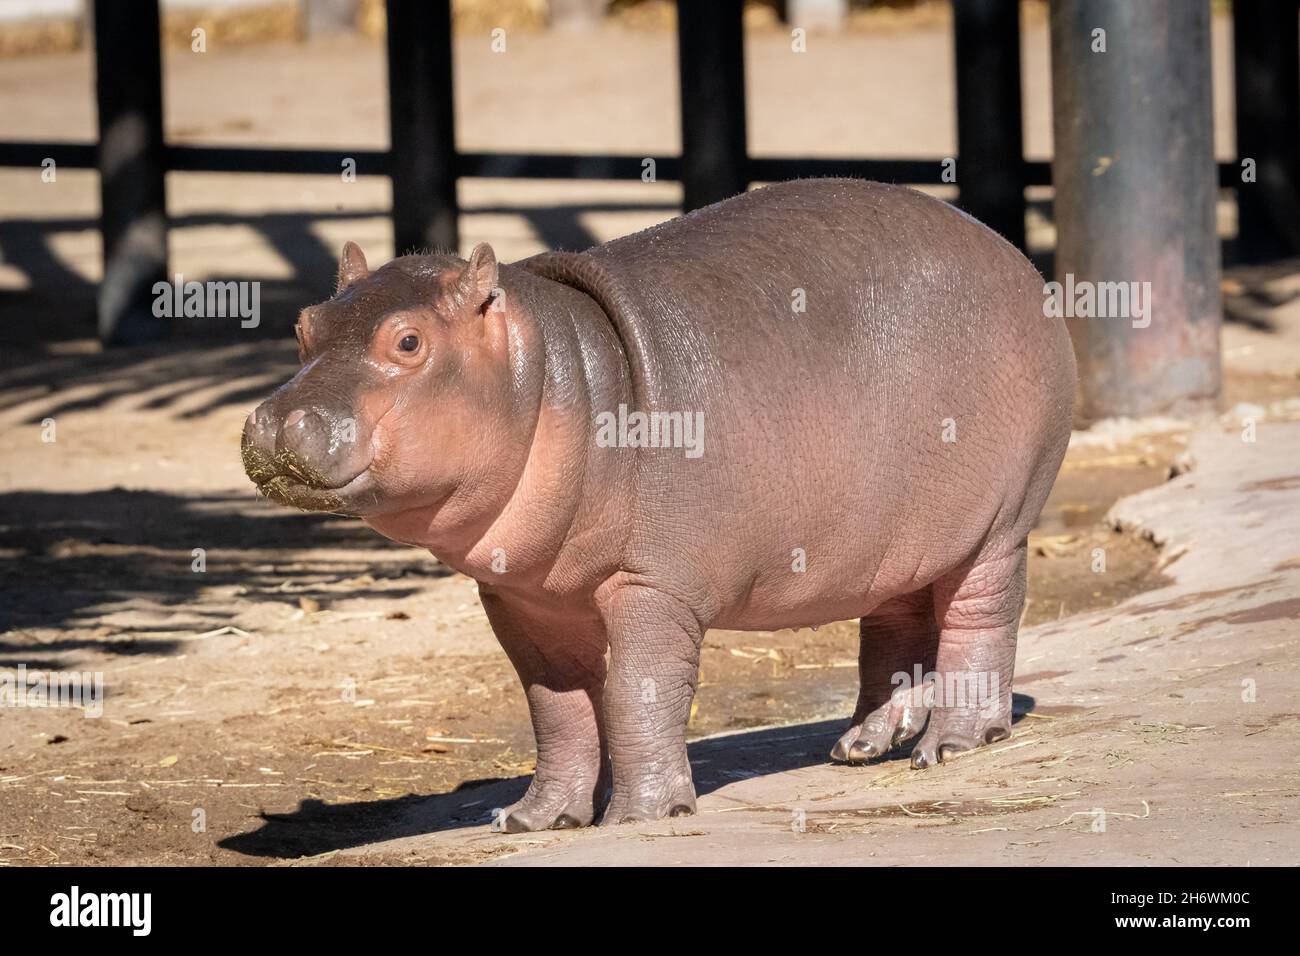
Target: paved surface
x=1117 y=705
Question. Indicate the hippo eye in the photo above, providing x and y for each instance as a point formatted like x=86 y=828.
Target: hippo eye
x=409 y=343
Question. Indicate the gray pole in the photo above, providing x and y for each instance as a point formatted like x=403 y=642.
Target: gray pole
x=1135 y=186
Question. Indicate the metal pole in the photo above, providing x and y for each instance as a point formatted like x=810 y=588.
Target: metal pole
x=133 y=200
x=1135 y=187
x=422 y=125
x=1266 y=58
x=711 y=62
x=990 y=150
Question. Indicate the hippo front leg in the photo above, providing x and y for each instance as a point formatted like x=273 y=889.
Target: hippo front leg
x=654 y=664
x=562 y=667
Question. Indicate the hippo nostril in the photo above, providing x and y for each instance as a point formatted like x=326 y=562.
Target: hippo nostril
x=305 y=435
x=255 y=428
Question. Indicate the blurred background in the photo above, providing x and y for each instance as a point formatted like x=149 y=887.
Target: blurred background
x=247 y=139
x=573 y=78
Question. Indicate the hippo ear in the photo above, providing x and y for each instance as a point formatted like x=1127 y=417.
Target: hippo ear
x=352 y=265
x=478 y=280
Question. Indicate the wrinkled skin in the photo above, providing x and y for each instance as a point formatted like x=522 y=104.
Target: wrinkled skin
x=880 y=452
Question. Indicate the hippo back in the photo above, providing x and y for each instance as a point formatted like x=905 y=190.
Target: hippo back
x=830 y=331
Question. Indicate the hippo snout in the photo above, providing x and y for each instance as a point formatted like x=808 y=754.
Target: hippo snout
x=300 y=457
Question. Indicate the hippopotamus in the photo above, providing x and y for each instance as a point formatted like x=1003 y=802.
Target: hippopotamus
x=816 y=401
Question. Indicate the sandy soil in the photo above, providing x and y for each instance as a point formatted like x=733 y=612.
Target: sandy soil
x=313 y=683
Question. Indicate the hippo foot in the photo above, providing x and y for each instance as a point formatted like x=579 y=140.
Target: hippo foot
x=954 y=730
x=640 y=805
x=896 y=721
x=554 y=806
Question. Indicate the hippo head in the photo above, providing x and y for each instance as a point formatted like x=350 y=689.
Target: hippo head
x=401 y=369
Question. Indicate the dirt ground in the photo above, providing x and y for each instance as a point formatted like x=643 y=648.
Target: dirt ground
x=314 y=672
x=313 y=686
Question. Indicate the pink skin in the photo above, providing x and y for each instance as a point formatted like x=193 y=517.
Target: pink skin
x=881 y=454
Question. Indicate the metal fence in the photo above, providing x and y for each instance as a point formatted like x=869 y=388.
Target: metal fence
x=424 y=163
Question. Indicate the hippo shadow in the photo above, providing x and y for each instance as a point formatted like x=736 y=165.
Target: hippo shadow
x=316 y=827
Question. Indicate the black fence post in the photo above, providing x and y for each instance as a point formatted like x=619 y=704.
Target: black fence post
x=1135 y=190
x=133 y=197
x=1266 y=68
x=990 y=145
x=422 y=126
x=711 y=64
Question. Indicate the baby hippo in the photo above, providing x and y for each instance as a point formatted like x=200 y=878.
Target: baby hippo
x=820 y=400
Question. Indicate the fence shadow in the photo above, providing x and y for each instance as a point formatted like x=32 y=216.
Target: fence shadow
x=71 y=556
x=65 y=301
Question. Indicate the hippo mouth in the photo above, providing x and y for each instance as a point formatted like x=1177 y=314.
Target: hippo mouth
x=287 y=480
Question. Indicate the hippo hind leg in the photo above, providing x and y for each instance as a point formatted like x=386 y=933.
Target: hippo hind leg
x=897 y=638
x=978 y=609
